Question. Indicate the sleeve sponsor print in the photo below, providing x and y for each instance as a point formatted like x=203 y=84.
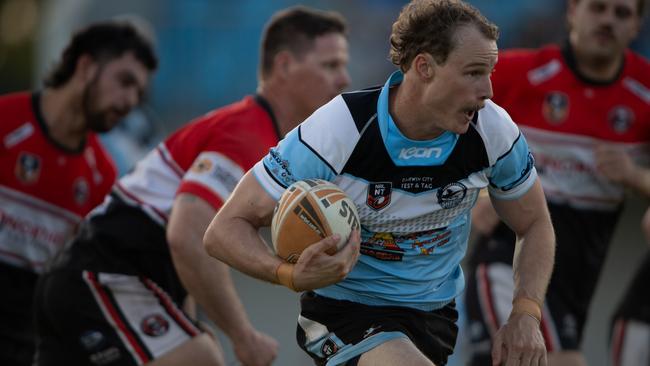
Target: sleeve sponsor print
x=216 y=172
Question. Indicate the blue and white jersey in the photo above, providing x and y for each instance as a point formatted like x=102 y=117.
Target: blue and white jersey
x=413 y=197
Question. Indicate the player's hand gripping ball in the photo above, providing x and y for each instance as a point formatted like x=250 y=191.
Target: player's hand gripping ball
x=309 y=211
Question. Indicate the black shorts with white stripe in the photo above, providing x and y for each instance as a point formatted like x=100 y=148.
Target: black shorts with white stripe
x=93 y=318
x=336 y=332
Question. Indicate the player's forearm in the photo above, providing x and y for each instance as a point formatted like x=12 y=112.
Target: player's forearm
x=237 y=243
x=533 y=260
x=210 y=283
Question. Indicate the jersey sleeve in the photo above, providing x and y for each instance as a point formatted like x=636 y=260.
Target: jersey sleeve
x=317 y=148
x=212 y=177
x=512 y=167
x=509 y=72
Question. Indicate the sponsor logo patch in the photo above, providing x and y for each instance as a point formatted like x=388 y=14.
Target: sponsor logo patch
x=154 y=325
x=379 y=195
x=329 y=347
x=202 y=165
x=91 y=339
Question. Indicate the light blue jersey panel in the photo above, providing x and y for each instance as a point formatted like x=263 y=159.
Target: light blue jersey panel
x=413 y=197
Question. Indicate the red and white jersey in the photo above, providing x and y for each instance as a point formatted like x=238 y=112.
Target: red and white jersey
x=564 y=116
x=206 y=158
x=45 y=189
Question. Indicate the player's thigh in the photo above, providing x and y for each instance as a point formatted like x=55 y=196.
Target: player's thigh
x=399 y=351
x=201 y=350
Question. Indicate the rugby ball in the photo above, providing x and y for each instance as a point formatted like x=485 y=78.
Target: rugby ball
x=309 y=211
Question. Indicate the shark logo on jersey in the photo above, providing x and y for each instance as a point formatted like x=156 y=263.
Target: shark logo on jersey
x=451 y=195
x=621 y=118
x=379 y=195
x=556 y=107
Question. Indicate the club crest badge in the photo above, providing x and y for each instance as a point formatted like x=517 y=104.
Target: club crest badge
x=555 y=107
x=451 y=195
x=620 y=119
x=379 y=195
x=81 y=191
x=28 y=168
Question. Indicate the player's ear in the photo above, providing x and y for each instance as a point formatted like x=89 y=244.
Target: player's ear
x=86 y=68
x=424 y=66
x=282 y=63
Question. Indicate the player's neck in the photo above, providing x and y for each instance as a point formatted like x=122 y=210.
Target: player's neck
x=63 y=115
x=407 y=115
x=287 y=114
x=598 y=69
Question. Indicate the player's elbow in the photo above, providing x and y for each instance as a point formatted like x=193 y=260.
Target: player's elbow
x=177 y=243
x=211 y=242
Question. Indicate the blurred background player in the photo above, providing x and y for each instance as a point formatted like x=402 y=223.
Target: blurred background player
x=630 y=331
x=54 y=171
x=584 y=107
x=114 y=295
x=413 y=156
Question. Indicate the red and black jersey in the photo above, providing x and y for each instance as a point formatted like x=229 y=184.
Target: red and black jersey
x=564 y=115
x=45 y=189
x=206 y=158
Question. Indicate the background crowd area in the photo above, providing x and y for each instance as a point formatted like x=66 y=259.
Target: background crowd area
x=208 y=57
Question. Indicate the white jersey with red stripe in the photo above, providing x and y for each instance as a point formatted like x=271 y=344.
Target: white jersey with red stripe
x=45 y=188
x=205 y=158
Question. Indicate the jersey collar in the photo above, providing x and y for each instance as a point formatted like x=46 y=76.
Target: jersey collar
x=569 y=57
x=402 y=150
x=267 y=107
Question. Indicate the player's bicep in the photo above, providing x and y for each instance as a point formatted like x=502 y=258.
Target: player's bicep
x=249 y=201
x=521 y=213
x=190 y=217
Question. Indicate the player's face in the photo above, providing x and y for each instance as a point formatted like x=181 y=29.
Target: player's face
x=461 y=85
x=321 y=73
x=117 y=88
x=602 y=29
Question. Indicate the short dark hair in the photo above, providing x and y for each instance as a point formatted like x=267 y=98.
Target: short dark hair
x=102 y=41
x=294 y=29
x=429 y=26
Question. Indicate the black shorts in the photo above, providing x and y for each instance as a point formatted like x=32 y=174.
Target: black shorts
x=91 y=318
x=16 y=330
x=630 y=331
x=582 y=243
x=335 y=332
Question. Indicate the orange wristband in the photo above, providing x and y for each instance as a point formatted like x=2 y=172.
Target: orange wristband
x=284 y=273
x=525 y=305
